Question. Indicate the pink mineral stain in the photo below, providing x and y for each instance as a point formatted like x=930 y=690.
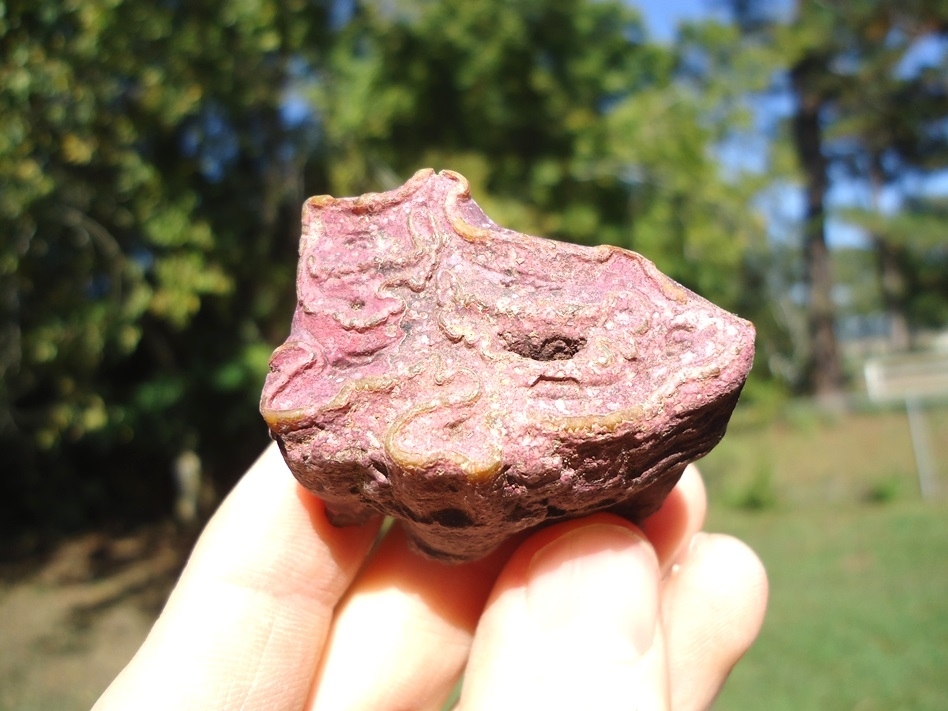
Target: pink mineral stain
x=474 y=382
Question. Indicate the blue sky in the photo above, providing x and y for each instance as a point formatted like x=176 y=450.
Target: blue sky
x=663 y=16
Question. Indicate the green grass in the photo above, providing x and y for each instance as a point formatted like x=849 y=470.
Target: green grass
x=858 y=565
x=858 y=614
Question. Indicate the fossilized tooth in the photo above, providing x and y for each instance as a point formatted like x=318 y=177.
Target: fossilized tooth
x=475 y=382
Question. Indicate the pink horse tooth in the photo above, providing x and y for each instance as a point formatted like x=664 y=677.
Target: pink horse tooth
x=475 y=382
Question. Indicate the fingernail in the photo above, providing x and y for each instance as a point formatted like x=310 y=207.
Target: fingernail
x=597 y=579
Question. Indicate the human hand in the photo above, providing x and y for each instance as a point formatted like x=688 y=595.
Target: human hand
x=277 y=609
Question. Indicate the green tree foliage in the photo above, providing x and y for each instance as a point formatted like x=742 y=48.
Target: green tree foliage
x=145 y=174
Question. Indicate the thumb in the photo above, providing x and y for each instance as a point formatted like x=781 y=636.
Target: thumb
x=573 y=622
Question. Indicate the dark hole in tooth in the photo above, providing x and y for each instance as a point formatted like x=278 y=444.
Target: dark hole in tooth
x=380 y=468
x=554 y=511
x=452 y=518
x=543 y=348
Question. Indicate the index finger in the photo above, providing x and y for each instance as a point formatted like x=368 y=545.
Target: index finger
x=247 y=622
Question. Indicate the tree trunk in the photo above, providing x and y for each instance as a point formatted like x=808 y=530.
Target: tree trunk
x=824 y=373
x=892 y=283
x=891 y=279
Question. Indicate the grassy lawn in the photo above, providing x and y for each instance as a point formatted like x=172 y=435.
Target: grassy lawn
x=858 y=565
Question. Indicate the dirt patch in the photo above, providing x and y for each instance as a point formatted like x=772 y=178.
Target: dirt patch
x=70 y=623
